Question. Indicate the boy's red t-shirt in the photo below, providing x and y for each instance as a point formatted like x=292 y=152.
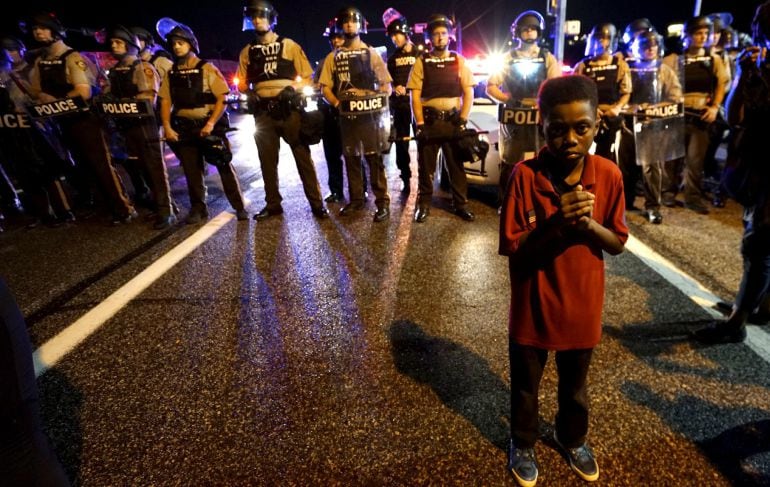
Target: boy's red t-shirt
x=556 y=300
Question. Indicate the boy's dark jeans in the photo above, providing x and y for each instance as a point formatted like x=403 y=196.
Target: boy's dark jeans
x=527 y=364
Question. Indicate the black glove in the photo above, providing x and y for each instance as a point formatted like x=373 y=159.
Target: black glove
x=460 y=123
x=419 y=132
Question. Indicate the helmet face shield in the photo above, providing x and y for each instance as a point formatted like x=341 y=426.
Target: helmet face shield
x=259 y=10
x=351 y=14
x=169 y=30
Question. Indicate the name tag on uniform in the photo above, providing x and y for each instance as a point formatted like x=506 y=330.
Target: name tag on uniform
x=125 y=108
x=372 y=103
x=15 y=121
x=517 y=116
x=64 y=106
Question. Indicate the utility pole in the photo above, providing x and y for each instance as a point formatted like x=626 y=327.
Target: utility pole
x=557 y=13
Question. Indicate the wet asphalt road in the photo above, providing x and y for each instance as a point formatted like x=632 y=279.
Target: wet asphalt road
x=342 y=352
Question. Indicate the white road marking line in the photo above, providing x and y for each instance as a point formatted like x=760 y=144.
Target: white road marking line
x=757 y=340
x=57 y=347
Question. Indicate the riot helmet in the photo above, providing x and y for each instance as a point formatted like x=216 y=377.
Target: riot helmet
x=697 y=23
x=260 y=9
x=169 y=29
x=125 y=35
x=530 y=19
x=594 y=44
x=331 y=29
x=636 y=27
x=348 y=14
x=434 y=22
x=729 y=40
x=144 y=35
x=12 y=44
x=644 y=41
x=216 y=150
x=399 y=26
x=46 y=20
x=721 y=21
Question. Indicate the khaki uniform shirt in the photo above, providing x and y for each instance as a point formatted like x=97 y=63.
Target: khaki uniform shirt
x=700 y=100
x=213 y=82
x=162 y=64
x=145 y=77
x=417 y=76
x=291 y=51
x=76 y=68
x=379 y=67
x=623 y=77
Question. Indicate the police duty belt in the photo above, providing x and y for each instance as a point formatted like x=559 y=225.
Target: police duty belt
x=15 y=121
x=124 y=108
x=441 y=138
x=57 y=108
x=366 y=104
x=523 y=116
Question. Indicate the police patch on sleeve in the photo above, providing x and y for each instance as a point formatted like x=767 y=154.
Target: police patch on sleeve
x=81 y=64
x=149 y=73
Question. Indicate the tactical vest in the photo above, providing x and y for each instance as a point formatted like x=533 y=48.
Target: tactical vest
x=699 y=74
x=266 y=62
x=441 y=76
x=122 y=81
x=53 y=75
x=606 y=78
x=187 y=87
x=523 y=76
x=353 y=69
x=645 y=80
x=400 y=64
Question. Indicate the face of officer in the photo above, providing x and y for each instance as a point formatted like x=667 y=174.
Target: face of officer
x=649 y=52
x=42 y=34
x=15 y=56
x=261 y=24
x=181 y=47
x=351 y=27
x=118 y=48
x=399 y=40
x=337 y=41
x=528 y=34
x=699 y=38
x=439 y=38
x=569 y=131
x=603 y=45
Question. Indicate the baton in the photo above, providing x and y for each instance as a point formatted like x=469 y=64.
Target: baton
x=442 y=138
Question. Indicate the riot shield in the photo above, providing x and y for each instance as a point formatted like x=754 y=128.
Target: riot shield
x=365 y=124
x=519 y=135
x=659 y=133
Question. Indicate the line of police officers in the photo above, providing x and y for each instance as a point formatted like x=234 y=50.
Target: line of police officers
x=430 y=92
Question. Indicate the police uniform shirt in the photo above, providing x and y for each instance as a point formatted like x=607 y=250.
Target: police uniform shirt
x=213 y=82
x=698 y=100
x=290 y=51
x=377 y=64
x=145 y=77
x=161 y=64
x=76 y=68
x=552 y=67
x=624 y=75
x=417 y=76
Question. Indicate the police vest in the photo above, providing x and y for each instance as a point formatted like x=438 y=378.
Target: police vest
x=606 y=78
x=441 y=76
x=645 y=80
x=186 y=86
x=523 y=76
x=400 y=64
x=699 y=74
x=353 y=69
x=53 y=75
x=266 y=62
x=122 y=81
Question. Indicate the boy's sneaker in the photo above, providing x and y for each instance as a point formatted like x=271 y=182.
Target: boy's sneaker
x=523 y=465
x=581 y=460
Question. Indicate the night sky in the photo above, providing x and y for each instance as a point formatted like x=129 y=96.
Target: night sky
x=218 y=27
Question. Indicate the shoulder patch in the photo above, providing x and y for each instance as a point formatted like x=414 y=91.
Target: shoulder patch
x=149 y=73
x=81 y=64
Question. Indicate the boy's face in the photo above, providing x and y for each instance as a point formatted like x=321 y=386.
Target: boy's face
x=570 y=129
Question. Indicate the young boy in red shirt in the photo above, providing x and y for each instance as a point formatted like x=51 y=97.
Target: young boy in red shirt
x=562 y=211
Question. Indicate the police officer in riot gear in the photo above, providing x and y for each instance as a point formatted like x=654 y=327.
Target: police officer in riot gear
x=33 y=148
x=133 y=79
x=653 y=83
x=525 y=67
x=192 y=105
x=399 y=66
x=355 y=80
x=634 y=28
x=610 y=72
x=269 y=68
x=61 y=74
x=151 y=52
x=705 y=82
x=441 y=86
